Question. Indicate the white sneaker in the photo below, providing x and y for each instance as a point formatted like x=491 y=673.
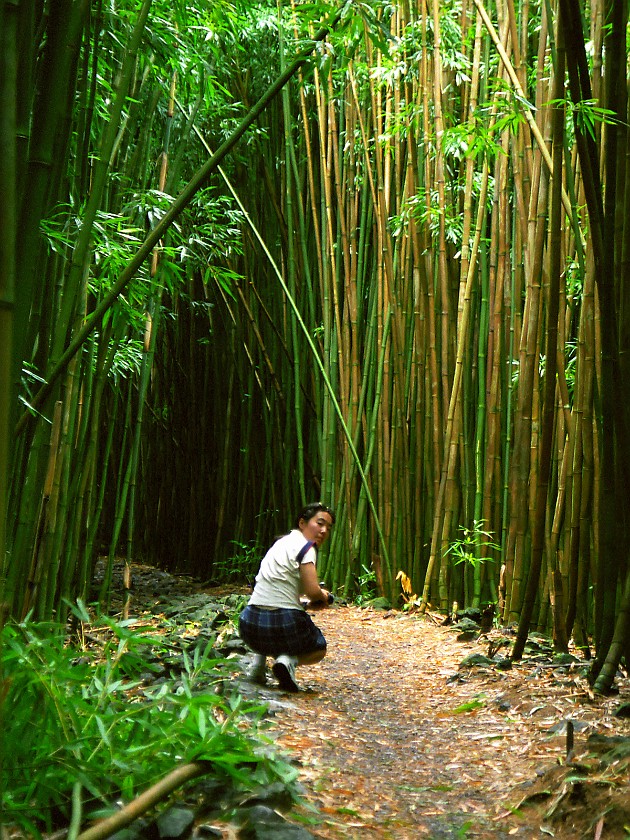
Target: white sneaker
x=284 y=671
x=258 y=670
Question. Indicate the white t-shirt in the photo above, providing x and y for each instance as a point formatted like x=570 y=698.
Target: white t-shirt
x=278 y=580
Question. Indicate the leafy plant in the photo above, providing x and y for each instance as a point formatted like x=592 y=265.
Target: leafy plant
x=366 y=585
x=587 y=114
x=468 y=549
x=87 y=721
x=409 y=597
x=242 y=565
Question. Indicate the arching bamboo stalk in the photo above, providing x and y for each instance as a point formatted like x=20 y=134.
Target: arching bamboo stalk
x=158 y=232
x=319 y=364
x=149 y=345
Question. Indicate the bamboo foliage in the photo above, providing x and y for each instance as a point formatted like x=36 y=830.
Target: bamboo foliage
x=63 y=560
x=379 y=250
x=368 y=357
x=402 y=294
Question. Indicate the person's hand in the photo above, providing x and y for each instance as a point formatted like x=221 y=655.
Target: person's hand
x=321 y=603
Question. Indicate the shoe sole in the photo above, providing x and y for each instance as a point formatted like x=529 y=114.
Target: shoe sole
x=283 y=675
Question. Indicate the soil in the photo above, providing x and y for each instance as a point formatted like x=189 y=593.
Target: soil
x=396 y=740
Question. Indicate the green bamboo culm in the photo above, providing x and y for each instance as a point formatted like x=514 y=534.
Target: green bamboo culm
x=8 y=224
x=40 y=165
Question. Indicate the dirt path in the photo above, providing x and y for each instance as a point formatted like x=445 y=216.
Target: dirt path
x=395 y=741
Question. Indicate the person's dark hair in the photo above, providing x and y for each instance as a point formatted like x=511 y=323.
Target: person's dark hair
x=309 y=511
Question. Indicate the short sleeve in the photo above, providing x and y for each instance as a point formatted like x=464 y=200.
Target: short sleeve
x=303 y=553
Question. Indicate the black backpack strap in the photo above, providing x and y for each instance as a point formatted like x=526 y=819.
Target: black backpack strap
x=303 y=552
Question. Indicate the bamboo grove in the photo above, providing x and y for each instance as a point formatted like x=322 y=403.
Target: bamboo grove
x=248 y=261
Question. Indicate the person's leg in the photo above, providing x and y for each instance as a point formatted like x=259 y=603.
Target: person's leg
x=284 y=671
x=285 y=665
x=296 y=639
x=254 y=632
x=258 y=669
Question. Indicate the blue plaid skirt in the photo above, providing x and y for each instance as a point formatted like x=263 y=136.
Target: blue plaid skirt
x=272 y=632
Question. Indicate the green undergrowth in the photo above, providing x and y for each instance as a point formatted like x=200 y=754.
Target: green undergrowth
x=89 y=724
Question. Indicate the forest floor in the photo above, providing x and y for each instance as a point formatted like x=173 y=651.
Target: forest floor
x=396 y=735
x=396 y=740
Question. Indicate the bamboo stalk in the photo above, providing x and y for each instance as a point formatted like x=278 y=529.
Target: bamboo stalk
x=149 y=345
x=549 y=401
x=446 y=342
x=292 y=270
x=155 y=794
x=8 y=224
x=43 y=167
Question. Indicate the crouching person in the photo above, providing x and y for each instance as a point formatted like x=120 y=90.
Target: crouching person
x=274 y=622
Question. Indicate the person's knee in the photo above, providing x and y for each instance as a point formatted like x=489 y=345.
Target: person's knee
x=312 y=658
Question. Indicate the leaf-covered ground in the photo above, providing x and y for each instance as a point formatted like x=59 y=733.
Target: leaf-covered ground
x=396 y=740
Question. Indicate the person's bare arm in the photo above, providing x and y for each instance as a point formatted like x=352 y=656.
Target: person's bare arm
x=317 y=596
